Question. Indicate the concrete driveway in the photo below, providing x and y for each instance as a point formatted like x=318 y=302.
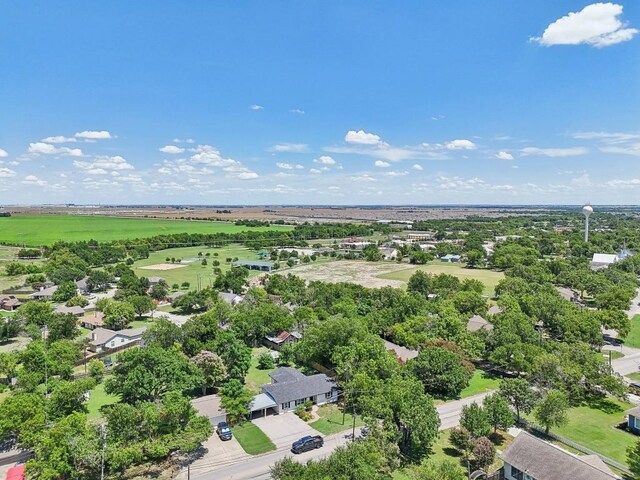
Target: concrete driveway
x=218 y=454
x=284 y=429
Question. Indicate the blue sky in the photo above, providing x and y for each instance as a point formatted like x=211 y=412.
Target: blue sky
x=316 y=102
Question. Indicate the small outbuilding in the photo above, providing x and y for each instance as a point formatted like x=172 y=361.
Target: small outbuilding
x=450 y=258
x=261 y=265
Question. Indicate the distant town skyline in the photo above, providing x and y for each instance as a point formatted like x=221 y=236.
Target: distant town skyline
x=320 y=103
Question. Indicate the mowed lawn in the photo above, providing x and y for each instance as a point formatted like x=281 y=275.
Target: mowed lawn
x=252 y=439
x=97 y=398
x=480 y=382
x=633 y=339
x=489 y=278
x=191 y=272
x=37 y=230
x=256 y=377
x=331 y=420
x=594 y=426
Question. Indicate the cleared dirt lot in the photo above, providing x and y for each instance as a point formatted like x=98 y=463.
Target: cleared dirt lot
x=352 y=271
x=284 y=429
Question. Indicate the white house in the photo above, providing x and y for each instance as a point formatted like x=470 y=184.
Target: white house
x=102 y=339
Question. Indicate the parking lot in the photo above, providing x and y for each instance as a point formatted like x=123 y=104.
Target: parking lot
x=284 y=429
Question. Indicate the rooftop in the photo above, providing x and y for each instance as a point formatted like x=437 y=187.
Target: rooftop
x=292 y=385
x=544 y=461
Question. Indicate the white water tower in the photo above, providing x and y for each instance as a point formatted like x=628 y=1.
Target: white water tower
x=587 y=210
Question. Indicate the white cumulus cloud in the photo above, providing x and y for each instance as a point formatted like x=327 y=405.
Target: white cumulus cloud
x=41 y=148
x=33 y=180
x=417 y=166
x=104 y=163
x=597 y=24
x=361 y=137
x=325 y=160
x=289 y=166
x=3 y=153
x=382 y=164
x=7 y=172
x=59 y=139
x=504 y=156
x=94 y=135
x=255 y=106
x=461 y=144
x=171 y=149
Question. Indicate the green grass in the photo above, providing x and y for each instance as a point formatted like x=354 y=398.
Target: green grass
x=489 y=278
x=191 y=272
x=633 y=338
x=252 y=439
x=480 y=382
x=97 y=399
x=143 y=322
x=634 y=376
x=37 y=230
x=330 y=421
x=614 y=355
x=594 y=426
x=255 y=377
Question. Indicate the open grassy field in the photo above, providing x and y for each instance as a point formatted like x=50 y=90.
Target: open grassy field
x=252 y=439
x=633 y=339
x=189 y=272
x=37 y=230
x=490 y=278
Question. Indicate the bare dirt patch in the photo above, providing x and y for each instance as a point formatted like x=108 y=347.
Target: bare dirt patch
x=358 y=272
x=162 y=266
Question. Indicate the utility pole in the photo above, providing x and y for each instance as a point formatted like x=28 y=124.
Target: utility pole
x=103 y=431
x=188 y=471
x=353 y=432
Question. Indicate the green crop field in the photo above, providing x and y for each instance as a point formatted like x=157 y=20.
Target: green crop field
x=191 y=272
x=37 y=230
x=490 y=278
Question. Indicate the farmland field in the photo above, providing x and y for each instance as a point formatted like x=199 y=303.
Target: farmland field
x=490 y=278
x=37 y=230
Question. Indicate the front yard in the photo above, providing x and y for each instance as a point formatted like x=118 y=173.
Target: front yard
x=331 y=420
x=252 y=439
x=480 y=382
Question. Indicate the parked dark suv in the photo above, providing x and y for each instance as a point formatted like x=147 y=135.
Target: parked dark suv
x=307 y=443
x=224 y=432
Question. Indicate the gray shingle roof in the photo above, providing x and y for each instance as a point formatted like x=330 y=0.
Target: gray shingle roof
x=635 y=411
x=476 y=323
x=403 y=353
x=290 y=386
x=543 y=461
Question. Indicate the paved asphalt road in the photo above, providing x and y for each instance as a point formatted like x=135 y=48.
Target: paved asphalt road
x=258 y=467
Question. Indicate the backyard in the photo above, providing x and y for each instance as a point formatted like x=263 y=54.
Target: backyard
x=98 y=398
x=252 y=439
x=593 y=425
x=256 y=377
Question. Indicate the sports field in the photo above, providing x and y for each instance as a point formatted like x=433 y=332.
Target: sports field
x=37 y=230
x=490 y=278
x=194 y=270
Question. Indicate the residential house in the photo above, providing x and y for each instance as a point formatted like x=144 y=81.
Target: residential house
x=477 y=323
x=603 y=260
x=633 y=420
x=174 y=296
x=283 y=338
x=103 y=339
x=155 y=280
x=389 y=253
x=10 y=303
x=75 y=310
x=529 y=458
x=289 y=388
x=494 y=310
x=231 y=298
x=92 y=321
x=211 y=407
x=45 y=293
x=403 y=354
x=450 y=258
x=82 y=285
